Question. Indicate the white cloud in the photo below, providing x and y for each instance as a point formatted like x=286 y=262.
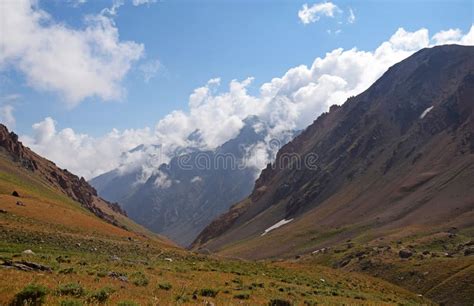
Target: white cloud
x=454 y=36
x=446 y=37
x=291 y=101
x=310 y=14
x=409 y=41
x=351 y=18
x=162 y=180
x=150 y=69
x=76 y=63
x=85 y=155
x=6 y=116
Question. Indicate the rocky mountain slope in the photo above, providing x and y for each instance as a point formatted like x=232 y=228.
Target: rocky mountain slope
x=387 y=188
x=71 y=185
x=396 y=160
x=186 y=194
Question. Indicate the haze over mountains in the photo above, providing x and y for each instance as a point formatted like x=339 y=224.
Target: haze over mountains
x=179 y=198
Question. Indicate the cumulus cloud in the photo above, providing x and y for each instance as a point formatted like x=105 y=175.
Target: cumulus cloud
x=76 y=63
x=82 y=154
x=310 y=14
x=289 y=102
x=454 y=36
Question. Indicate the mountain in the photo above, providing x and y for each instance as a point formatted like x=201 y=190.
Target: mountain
x=392 y=167
x=186 y=194
x=60 y=244
x=67 y=183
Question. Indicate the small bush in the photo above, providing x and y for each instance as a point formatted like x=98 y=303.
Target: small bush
x=139 y=279
x=242 y=296
x=70 y=303
x=165 y=286
x=279 y=302
x=101 y=295
x=101 y=273
x=32 y=294
x=258 y=285
x=66 y=270
x=127 y=303
x=72 y=289
x=208 y=292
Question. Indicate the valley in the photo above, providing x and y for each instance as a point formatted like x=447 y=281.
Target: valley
x=55 y=251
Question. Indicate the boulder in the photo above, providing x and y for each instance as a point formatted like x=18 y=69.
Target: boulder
x=405 y=253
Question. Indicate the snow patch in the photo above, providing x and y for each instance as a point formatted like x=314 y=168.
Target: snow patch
x=276 y=225
x=196 y=179
x=426 y=111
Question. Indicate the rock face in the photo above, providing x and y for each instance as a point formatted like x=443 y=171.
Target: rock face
x=186 y=194
x=71 y=185
x=398 y=155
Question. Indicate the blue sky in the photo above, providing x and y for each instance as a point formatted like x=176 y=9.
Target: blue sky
x=198 y=40
x=83 y=81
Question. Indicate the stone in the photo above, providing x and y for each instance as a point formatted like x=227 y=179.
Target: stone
x=404 y=253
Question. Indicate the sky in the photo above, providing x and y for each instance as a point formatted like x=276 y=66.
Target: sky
x=83 y=81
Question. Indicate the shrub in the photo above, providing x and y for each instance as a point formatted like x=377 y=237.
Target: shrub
x=208 y=292
x=32 y=294
x=66 y=270
x=70 y=303
x=279 y=302
x=258 y=285
x=72 y=289
x=139 y=279
x=242 y=296
x=165 y=286
x=127 y=303
x=101 y=295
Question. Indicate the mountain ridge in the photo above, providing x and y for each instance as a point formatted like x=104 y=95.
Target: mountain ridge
x=345 y=139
